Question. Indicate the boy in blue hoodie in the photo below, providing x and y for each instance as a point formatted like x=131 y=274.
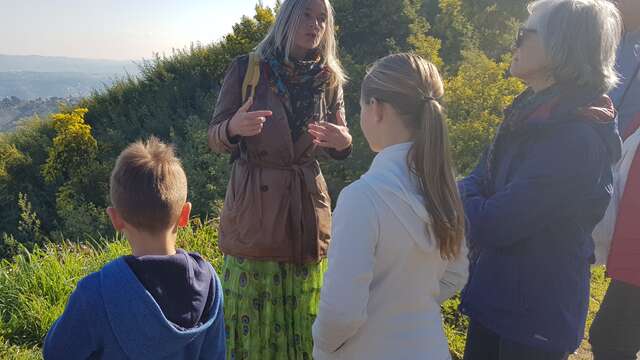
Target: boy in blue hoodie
x=158 y=303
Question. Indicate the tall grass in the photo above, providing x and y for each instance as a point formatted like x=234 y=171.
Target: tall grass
x=35 y=286
x=8 y=351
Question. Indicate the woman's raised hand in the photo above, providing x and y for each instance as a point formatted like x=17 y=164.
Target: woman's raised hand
x=328 y=135
x=247 y=123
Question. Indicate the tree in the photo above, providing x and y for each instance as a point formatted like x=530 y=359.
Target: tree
x=371 y=29
x=424 y=45
x=476 y=97
x=455 y=31
x=72 y=165
x=22 y=155
x=495 y=23
x=207 y=172
x=248 y=32
x=73 y=146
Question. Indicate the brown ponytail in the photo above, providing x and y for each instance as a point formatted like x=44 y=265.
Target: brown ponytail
x=412 y=86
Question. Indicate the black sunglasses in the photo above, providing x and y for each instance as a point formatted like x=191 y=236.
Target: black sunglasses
x=521 y=35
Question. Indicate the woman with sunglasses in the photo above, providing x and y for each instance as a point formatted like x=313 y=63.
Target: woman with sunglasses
x=542 y=186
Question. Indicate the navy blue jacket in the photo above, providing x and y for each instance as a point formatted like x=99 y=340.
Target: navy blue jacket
x=530 y=216
x=111 y=315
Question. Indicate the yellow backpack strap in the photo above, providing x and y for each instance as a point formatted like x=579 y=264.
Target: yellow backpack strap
x=251 y=77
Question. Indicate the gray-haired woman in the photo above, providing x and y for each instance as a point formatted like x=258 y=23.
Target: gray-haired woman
x=537 y=194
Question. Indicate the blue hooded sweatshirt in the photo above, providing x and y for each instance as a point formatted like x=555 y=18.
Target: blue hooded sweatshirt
x=152 y=307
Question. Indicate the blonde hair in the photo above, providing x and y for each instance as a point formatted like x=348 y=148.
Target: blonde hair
x=282 y=36
x=412 y=85
x=148 y=186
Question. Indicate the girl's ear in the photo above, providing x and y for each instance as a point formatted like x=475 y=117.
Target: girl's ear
x=378 y=109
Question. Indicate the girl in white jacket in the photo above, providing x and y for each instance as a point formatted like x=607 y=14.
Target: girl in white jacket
x=397 y=246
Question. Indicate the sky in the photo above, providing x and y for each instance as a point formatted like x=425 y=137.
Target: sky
x=115 y=29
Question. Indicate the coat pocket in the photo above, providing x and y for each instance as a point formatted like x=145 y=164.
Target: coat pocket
x=496 y=283
x=238 y=218
x=322 y=204
x=272 y=209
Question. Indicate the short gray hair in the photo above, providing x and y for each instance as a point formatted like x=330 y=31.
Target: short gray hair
x=580 y=38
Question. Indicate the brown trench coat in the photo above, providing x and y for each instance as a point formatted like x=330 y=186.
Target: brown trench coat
x=277 y=206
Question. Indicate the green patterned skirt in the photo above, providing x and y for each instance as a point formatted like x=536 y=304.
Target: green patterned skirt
x=269 y=308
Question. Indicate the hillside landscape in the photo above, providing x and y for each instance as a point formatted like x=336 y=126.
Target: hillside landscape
x=39 y=85
x=54 y=170
x=31 y=77
x=14 y=111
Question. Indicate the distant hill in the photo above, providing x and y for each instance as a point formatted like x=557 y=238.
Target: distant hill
x=35 y=63
x=13 y=109
x=33 y=85
x=32 y=77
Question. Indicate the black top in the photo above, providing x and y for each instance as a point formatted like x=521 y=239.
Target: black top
x=180 y=284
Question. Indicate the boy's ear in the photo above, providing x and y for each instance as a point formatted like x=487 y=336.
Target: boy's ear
x=185 y=215
x=116 y=220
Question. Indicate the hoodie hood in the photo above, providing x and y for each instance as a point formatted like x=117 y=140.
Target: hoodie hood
x=138 y=321
x=390 y=178
x=602 y=115
x=569 y=106
x=180 y=284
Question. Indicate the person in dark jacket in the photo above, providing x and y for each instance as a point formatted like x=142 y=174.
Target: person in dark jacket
x=158 y=303
x=542 y=186
x=615 y=332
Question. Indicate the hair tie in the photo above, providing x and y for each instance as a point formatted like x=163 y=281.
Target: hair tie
x=426 y=98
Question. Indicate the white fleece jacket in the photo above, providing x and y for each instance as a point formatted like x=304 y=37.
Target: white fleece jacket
x=385 y=282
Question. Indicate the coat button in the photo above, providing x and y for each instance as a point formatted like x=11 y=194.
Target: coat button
x=264 y=188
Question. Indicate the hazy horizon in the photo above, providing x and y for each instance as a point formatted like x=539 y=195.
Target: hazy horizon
x=118 y=29
x=69 y=57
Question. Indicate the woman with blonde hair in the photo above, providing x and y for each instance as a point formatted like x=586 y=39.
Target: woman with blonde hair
x=398 y=234
x=275 y=225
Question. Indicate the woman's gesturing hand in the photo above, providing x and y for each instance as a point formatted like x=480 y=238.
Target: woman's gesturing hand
x=329 y=135
x=247 y=123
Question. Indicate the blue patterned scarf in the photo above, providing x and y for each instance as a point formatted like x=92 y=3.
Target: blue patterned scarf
x=299 y=83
